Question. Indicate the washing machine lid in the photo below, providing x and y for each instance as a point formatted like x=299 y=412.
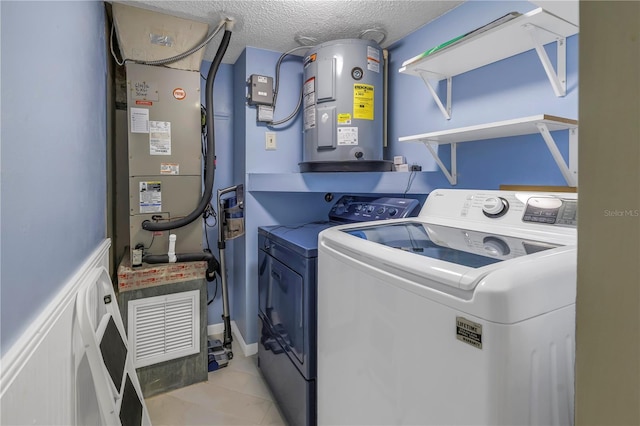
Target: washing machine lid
x=446 y=256
x=464 y=247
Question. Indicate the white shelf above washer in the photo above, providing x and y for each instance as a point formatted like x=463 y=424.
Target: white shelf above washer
x=543 y=124
x=526 y=32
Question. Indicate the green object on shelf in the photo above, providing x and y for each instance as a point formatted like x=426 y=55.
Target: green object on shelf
x=443 y=45
x=503 y=19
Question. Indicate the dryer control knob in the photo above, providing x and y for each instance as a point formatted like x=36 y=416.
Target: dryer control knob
x=495 y=206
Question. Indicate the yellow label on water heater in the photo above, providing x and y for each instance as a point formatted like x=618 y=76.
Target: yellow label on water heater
x=344 y=118
x=363 y=101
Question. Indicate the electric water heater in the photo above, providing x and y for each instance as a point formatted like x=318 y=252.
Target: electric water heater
x=343 y=107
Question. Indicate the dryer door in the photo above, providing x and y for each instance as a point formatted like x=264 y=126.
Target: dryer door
x=281 y=303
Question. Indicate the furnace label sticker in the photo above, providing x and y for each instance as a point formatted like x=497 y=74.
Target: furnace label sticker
x=344 y=118
x=363 y=101
x=169 y=168
x=373 y=59
x=139 y=120
x=159 y=138
x=347 y=136
x=469 y=332
x=150 y=197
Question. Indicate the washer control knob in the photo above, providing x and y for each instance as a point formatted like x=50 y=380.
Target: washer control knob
x=495 y=206
x=393 y=211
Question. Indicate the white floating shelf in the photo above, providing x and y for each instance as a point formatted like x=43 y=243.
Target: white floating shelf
x=499 y=129
x=526 y=32
x=491 y=46
x=543 y=124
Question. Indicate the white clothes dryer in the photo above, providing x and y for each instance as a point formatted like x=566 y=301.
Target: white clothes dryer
x=463 y=315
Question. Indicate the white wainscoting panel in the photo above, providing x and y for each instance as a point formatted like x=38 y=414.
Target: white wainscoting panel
x=37 y=379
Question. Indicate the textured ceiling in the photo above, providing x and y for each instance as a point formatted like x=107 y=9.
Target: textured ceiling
x=277 y=24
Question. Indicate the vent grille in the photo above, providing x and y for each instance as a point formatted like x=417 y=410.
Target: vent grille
x=164 y=327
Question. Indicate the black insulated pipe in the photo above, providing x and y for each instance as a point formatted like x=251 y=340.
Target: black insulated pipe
x=213 y=266
x=210 y=162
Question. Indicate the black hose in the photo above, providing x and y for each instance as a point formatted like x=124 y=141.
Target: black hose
x=210 y=162
x=213 y=266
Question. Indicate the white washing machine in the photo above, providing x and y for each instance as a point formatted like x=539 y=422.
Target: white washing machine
x=463 y=315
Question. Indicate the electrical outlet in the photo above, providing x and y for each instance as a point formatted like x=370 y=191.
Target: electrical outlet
x=270 y=141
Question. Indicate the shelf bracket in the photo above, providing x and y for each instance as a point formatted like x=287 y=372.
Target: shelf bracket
x=570 y=172
x=557 y=78
x=453 y=176
x=445 y=111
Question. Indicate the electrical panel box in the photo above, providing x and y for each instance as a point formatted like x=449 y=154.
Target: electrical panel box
x=165 y=155
x=260 y=90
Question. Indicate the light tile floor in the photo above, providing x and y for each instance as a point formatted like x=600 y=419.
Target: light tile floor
x=233 y=395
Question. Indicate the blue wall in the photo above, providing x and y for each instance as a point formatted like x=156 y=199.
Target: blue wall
x=274 y=206
x=223 y=124
x=53 y=202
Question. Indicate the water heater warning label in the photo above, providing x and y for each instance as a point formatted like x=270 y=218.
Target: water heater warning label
x=469 y=332
x=344 y=118
x=347 y=136
x=150 y=197
x=373 y=59
x=363 y=101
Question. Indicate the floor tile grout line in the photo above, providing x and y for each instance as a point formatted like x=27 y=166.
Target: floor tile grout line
x=243 y=393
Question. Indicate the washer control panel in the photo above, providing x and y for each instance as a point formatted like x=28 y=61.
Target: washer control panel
x=354 y=208
x=511 y=208
x=551 y=211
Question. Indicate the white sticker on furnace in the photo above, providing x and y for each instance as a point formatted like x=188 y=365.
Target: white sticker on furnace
x=347 y=136
x=169 y=168
x=159 y=138
x=150 y=197
x=139 y=120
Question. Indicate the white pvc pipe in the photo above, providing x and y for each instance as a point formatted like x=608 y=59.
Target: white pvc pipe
x=172 y=248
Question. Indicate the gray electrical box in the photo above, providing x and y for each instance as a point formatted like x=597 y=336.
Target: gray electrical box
x=260 y=90
x=165 y=155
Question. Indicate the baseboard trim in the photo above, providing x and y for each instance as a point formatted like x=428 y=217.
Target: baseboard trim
x=218 y=329
x=215 y=329
x=247 y=349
